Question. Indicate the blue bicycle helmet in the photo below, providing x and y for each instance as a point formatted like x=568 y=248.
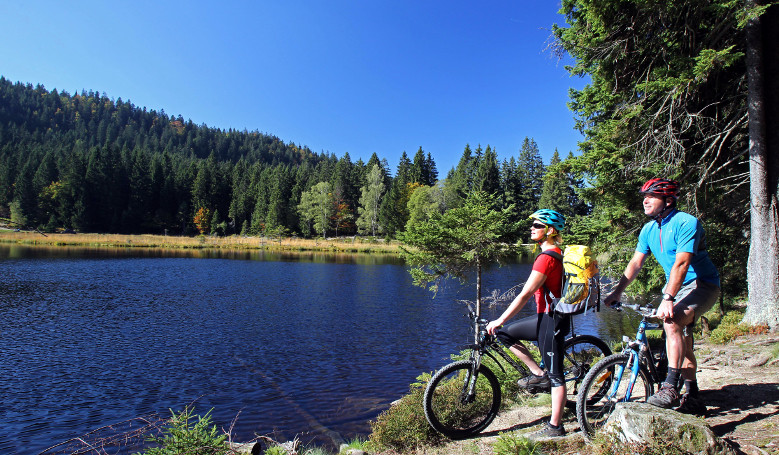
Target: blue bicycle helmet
x=549 y=218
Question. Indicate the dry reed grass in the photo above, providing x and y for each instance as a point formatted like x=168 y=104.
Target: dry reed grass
x=342 y=244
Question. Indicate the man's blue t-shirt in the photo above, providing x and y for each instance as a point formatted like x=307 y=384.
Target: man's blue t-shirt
x=679 y=232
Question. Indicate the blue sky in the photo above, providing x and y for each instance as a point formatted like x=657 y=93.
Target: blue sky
x=337 y=76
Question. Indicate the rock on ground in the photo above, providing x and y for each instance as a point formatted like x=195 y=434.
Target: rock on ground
x=643 y=424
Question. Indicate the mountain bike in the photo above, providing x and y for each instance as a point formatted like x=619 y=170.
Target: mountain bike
x=463 y=397
x=628 y=376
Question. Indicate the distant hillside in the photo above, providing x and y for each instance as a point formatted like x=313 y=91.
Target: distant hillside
x=34 y=115
x=88 y=163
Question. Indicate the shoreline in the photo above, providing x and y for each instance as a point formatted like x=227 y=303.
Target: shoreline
x=356 y=244
x=235 y=243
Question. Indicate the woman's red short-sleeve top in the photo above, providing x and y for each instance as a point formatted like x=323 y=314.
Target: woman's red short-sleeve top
x=553 y=269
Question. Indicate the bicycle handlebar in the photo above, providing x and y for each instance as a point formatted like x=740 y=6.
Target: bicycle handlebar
x=480 y=321
x=648 y=310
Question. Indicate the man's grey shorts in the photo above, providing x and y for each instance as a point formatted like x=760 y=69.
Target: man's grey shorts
x=697 y=295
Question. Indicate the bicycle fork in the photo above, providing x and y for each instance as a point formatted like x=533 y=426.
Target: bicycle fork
x=619 y=370
x=469 y=386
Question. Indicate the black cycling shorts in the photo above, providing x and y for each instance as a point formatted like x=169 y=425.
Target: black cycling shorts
x=549 y=332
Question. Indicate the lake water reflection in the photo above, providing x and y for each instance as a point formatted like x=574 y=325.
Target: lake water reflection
x=286 y=342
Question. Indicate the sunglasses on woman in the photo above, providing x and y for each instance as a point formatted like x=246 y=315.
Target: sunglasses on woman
x=538 y=226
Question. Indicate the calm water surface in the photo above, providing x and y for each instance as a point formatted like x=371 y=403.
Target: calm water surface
x=309 y=345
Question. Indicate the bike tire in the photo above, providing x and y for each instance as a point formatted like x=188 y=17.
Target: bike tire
x=450 y=411
x=594 y=405
x=582 y=352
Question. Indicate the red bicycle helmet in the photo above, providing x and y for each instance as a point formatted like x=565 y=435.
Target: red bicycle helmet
x=661 y=187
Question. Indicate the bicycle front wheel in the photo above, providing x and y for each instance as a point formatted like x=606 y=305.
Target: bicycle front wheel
x=460 y=402
x=582 y=352
x=608 y=383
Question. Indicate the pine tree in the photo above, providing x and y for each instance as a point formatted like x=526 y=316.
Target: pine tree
x=462 y=177
x=25 y=209
x=404 y=172
x=530 y=174
x=488 y=175
x=432 y=170
x=420 y=172
x=556 y=189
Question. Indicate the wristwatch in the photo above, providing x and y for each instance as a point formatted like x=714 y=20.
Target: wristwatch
x=668 y=297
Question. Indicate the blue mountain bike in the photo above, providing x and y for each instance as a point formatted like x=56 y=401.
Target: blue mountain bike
x=628 y=376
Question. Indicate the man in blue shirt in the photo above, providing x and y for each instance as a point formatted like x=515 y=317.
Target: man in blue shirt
x=677 y=241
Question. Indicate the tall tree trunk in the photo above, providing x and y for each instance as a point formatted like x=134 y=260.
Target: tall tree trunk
x=762 y=61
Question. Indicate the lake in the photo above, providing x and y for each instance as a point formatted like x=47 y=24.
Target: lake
x=313 y=345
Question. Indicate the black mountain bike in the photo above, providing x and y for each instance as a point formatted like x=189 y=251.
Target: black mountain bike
x=628 y=376
x=463 y=397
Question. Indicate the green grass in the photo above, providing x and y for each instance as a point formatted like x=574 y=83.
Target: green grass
x=358 y=443
x=513 y=444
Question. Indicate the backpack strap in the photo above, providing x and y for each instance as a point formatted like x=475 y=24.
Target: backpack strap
x=554 y=254
x=559 y=257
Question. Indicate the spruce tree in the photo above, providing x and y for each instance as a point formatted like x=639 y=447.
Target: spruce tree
x=488 y=175
x=530 y=174
x=555 y=193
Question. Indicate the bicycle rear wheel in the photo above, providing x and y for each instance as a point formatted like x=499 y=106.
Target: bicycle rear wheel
x=607 y=384
x=582 y=352
x=449 y=406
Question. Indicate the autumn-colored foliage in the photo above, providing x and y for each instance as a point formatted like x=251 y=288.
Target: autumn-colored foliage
x=202 y=220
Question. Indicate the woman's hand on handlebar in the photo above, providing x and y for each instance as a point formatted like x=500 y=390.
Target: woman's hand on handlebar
x=493 y=326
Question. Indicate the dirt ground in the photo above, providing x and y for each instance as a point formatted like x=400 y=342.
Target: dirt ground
x=739 y=383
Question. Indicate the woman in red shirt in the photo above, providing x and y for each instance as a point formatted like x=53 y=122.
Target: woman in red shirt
x=549 y=329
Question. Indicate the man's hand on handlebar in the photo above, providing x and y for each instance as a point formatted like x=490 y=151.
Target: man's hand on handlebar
x=647 y=310
x=666 y=310
x=612 y=298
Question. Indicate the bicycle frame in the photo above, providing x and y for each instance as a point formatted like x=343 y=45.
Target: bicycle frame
x=640 y=353
x=487 y=345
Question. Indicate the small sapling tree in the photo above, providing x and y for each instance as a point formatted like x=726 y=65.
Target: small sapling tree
x=459 y=241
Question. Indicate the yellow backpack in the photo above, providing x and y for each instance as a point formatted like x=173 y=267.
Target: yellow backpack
x=581 y=281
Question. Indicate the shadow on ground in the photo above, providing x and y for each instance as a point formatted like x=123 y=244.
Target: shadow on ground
x=741 y=400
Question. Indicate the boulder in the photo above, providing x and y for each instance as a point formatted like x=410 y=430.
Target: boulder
x=646 y=425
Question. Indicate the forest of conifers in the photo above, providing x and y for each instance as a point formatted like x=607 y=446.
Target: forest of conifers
x=89 y=163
